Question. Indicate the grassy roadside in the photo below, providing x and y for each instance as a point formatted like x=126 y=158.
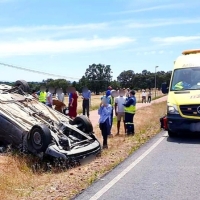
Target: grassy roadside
x=17 y=181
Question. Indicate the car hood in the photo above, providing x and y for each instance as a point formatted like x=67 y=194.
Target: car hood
x=186 y=97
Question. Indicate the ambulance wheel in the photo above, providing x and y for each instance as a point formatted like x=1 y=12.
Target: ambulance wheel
x=172 y=134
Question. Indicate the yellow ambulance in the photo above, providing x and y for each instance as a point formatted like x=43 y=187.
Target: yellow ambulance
x=183 y=104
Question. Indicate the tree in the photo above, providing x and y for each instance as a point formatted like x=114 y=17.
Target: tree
x=144 y=72
x=83 y=82
x=98 y=77
x=143 y=80
x=77 y=86
x=126 y=78
x=58 y=83
x=115 y=84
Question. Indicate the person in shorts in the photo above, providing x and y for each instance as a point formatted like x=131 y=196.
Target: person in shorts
x=119 y=109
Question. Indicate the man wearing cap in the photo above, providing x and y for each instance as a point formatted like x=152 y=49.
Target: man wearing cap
x=109 y=88
x=110 y=100
x=130 y=108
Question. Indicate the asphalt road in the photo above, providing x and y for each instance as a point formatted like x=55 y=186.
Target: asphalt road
x=162 y=169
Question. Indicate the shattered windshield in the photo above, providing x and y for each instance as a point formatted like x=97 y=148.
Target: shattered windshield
x=186 y=79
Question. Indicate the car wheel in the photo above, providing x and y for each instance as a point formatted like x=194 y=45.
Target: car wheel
x=172 y=134
x=39 y=137
x=83 y=123
x=22 y=85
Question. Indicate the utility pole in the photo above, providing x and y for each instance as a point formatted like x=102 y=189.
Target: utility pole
x=155 y=80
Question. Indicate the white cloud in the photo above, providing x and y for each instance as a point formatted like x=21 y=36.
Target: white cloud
x=61 y=46
x=57 y=31
x=54 y=28
x=175 y=39
x=153 y=8
x=153 y=52
x=163 y=22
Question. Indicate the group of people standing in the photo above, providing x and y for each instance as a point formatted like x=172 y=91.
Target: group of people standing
x=146 y=97
x=122 y=103
x=124 y=106
x=45 y=96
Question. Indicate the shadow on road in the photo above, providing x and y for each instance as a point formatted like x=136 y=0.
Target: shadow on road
x=186 y=139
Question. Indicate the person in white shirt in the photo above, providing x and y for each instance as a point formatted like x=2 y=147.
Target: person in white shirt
x=49 y=99
x=144 y=96
x=119 y=109
x=60 y=95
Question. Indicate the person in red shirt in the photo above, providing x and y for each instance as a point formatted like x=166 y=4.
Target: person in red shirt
x=73 y=103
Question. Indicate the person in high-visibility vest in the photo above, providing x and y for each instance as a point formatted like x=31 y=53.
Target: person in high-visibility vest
x=129 y=109
x=42 y=95
x=181 y=85
x=185 y=80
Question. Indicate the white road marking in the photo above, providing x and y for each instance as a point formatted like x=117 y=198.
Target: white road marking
x=125 y=171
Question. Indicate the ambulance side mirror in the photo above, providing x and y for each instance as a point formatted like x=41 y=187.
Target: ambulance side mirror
x=165 y=88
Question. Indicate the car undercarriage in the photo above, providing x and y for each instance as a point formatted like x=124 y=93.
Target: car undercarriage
x=31 y=126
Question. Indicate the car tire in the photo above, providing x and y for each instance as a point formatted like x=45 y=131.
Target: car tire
x=172 y=134
x=84 y=124
x=39 y=138
x=23 y=85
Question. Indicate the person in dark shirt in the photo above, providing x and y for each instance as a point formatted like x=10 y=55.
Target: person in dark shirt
x=86 y=96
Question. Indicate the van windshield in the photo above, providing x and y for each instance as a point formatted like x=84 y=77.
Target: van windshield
x=186 y=79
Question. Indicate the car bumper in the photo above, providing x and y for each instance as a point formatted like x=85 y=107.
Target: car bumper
x=176 y=123
x=75 y=154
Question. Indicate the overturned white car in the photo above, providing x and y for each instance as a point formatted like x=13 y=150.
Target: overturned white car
x=27 y=124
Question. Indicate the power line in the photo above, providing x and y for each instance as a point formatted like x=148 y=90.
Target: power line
x=38 y=72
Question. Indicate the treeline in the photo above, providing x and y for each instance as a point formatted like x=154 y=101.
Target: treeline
x=98 y=77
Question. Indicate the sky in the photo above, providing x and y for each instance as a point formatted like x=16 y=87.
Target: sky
x=64 y=37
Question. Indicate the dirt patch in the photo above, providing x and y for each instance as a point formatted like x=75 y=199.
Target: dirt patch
x=4 y=160
x=18 y=182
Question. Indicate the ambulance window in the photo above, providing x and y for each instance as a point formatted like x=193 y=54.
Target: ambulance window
x=186 y=78
x=181 y=79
